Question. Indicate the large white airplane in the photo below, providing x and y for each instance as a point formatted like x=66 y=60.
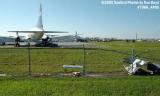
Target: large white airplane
x=37 y=32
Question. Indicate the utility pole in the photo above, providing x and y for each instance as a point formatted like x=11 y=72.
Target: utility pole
x=29 y=58
x=136 y=36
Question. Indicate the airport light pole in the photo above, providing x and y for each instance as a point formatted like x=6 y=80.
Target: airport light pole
x=136 y=36
x=29 y=58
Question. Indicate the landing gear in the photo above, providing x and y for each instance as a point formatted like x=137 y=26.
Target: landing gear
x=17 y=42
x=47 y=42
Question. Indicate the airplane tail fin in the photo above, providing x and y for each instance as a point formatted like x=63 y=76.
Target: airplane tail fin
x=40 y=22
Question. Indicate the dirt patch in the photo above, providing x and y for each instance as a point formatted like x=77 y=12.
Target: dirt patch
x=99 y=74
x=106 y=74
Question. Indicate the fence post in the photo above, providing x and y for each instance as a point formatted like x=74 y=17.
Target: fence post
x=29 y=58
x=84 y=60
x=133 y=56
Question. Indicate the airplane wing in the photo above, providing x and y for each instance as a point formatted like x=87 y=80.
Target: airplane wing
x=38 y=31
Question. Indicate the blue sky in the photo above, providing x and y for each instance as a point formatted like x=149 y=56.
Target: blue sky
x=87 y=17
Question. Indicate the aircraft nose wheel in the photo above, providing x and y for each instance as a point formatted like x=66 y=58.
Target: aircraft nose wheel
x=45 y=41
x=17 y=42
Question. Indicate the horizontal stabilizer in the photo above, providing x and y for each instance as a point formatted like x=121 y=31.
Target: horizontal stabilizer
x=38 y=31
x=23 y=31
x=54 y=32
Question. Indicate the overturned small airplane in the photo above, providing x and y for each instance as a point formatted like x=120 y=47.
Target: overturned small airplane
x=136 y=66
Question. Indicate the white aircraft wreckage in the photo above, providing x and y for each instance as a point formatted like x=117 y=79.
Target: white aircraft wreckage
x=135 y=66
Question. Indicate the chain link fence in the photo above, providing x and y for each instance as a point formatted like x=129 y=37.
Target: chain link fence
x=24 y=61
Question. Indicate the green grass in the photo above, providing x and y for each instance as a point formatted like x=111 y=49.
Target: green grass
x=115 y=86
x=143 y=49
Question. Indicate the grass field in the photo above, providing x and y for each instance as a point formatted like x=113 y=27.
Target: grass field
x=47 y=86
x=15 y=61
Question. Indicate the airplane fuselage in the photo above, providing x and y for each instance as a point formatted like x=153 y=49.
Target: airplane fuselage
x=37 y=34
